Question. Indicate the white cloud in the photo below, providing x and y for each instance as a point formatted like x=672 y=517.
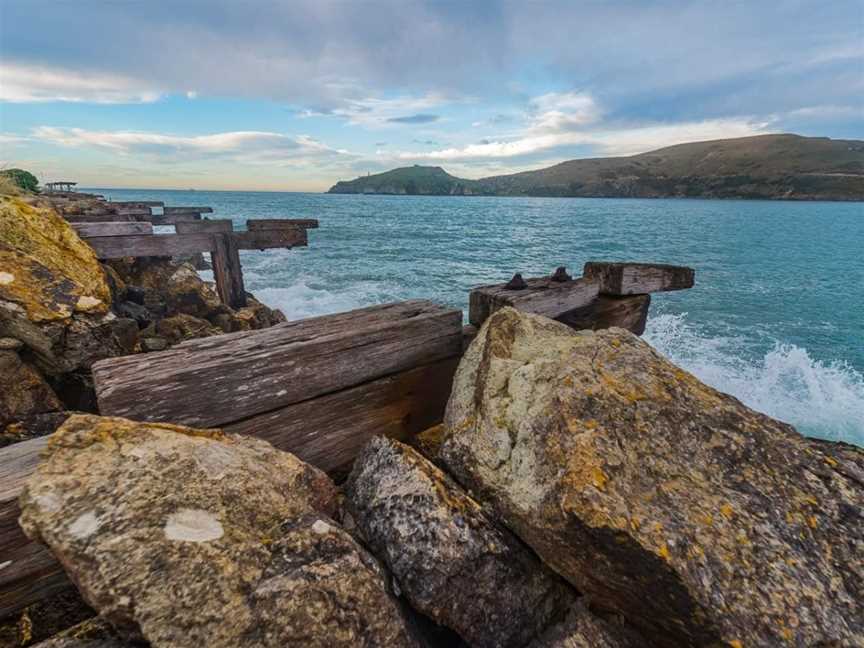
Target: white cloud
x=605 y=140
x=33 y=84
x=191 y=94
x=242 y=146
x=377 y=112
x=561 y=111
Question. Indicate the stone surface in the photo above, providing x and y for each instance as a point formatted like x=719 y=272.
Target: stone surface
x=697 y=518
x=33 y=426
x=197 y=538
x=48 y=271
x=92 y=633
x=585 y=629
x=185 y=327
x=322 y=589
x=451 y=561
x=23 y=390
x=44 y=620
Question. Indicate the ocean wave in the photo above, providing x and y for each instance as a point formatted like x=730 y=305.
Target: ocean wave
x=820 y=399
x=304 y=299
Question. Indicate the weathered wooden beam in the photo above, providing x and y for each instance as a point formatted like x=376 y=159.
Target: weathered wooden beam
x=173 y=219
x=606 y=311
x=138 y=203
x=212 y=382
x=541 y=296
x=280 y=223
x=187 y=210
x=638 y=278
x=111 y=228
x=211 y=226
x=96 y=217
x=267 y=239
x=227 y=270
x=28 y=571
x=116 y=247
x=329 y=431
x=142 y=213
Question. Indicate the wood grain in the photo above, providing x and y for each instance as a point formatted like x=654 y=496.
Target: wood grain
x=329 y=431
x=28 y=571
x=187 y=210
x=606 y=311
x=216 y=381
x=227 y=270
x=173 y=219
x=116 y=247
x=542 y=297
x=623 y=279
x=280 y=223
x=193 y=227
x=111 y=228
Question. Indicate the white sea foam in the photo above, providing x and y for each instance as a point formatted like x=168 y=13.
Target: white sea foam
x=823 y=400
x=304 y=299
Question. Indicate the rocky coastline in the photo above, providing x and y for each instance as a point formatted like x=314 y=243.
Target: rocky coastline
x=582 y=491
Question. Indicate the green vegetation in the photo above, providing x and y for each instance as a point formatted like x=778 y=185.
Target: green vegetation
x=21 y=179
x=787 y=167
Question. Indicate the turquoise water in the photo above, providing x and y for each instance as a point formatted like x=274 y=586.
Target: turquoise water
x=776 y=317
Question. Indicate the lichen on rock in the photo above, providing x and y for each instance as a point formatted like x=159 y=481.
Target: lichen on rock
x=451 y=561
x=198 y=538
x=664 y=500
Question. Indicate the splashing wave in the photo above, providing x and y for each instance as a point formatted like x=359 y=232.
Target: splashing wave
x=819 y=399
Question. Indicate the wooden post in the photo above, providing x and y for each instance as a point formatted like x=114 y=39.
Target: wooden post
x=227 y=271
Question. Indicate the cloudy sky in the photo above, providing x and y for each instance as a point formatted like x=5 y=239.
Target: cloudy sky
x=296 y=94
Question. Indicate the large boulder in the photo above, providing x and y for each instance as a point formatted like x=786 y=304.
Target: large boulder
x=92 y=633
x=450 y=560
x=197 y=538
x=54 y=296
x=695 y=517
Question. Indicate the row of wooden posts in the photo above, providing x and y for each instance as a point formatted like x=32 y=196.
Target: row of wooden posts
x=125 y=229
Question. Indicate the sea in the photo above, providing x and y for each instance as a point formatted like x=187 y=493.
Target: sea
x=776 y=317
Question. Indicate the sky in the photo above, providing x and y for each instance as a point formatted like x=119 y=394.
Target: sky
x=295 y=95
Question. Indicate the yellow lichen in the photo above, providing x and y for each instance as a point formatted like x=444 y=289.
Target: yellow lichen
x=735 y=643
x=727 y=511
x=664 y=551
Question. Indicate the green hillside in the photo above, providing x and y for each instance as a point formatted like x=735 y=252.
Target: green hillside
x=787 y=167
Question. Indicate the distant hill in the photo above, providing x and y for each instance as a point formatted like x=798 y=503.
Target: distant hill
x=788 y=167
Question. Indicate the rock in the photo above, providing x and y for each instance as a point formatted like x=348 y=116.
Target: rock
x=322 y=589
x=136 y=294
x=137 y=312
x=23 y=390
x=30 y=427
x=698 y=519
x=154 y=343
x=116 y=284
x=45 y=619
x=450 y=560
x=195 y=538
x=56 y=299
x=584 y=629
x=49 y=273
x=92 y=633
x=10 y=344
x=185 y=327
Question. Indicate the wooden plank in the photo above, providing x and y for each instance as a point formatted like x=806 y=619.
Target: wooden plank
x=330 y=430
x=542 y=296
x=138 y=203
x=638 y=278
x=211 y=382
x=93 y=217
x=187 y=210
x=173 y=219
x=266 y=239
x=28 y=571
x=116 y=247
x=280 y=223
x=143 y=213
x=227 y=270
x=111 y=228
x=191 y=227
x=606 y=311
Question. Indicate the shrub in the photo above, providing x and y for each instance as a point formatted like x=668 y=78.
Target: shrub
x=21 y=178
